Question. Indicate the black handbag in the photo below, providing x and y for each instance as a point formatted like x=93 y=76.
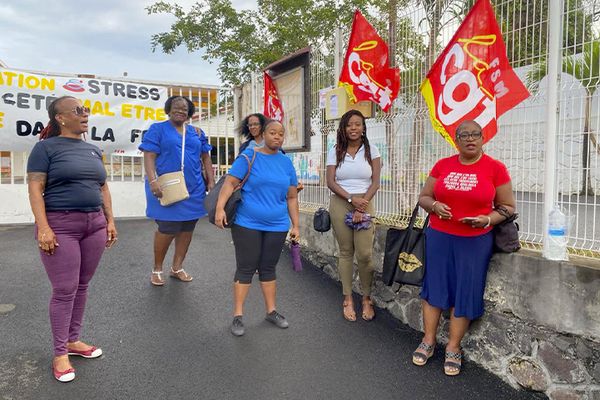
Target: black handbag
x=506 y=233
x=404 y=259
x=322 y=220
x=210 y=201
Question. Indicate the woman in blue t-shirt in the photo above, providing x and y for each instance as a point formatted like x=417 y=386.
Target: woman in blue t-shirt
x=74 y=223
x=162 y=154
x=262 y=222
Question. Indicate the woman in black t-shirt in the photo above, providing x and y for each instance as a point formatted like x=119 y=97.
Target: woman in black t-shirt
x=74 y=222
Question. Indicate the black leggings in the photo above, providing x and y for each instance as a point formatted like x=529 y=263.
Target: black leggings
x=256 y=250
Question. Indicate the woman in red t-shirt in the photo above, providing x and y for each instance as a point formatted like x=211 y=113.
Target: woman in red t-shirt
x=461 y=194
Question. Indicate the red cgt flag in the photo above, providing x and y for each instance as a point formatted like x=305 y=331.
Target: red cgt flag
x=472 y=78
x=366 y=74
x=272 y=107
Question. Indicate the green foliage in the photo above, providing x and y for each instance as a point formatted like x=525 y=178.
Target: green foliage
x=246 y=40
x=585 y=67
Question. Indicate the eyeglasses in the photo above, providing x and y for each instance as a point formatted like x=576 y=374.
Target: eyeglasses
x=79 y=111
x=253 y=125
x=469 y=135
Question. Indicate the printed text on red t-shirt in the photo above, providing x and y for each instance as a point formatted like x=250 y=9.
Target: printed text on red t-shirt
x=461 y=182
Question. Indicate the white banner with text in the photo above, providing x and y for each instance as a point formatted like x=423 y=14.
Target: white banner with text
x=120 y=112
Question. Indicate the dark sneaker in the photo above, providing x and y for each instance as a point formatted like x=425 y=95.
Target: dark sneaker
x=237 y=326
x=279 y=320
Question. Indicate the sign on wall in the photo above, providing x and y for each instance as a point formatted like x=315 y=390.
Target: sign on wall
x=291 y=76
x=120 y=112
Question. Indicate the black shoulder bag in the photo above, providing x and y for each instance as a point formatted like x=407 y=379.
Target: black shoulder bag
x=210 y=201
x=506 y=233
x=321 y=220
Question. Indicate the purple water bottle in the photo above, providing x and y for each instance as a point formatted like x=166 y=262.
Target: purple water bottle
x=295 y=253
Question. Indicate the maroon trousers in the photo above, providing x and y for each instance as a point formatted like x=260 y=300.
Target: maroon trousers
x=81 y=238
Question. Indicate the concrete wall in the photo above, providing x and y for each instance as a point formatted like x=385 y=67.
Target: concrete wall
x=541 y=328
x=128 y=201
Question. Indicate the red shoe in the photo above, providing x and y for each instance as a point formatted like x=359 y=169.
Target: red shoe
x=63 y=376
x=92 y=352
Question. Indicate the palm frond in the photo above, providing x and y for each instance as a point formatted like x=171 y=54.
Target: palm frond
x=535 y=75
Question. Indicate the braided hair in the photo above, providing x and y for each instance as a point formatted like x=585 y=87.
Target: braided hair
x=53 y=129
x=341 y=147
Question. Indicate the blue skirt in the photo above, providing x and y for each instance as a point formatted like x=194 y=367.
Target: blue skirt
x=455 y=271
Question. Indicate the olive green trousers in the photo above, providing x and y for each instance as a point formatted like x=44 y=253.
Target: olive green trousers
x=352 y=243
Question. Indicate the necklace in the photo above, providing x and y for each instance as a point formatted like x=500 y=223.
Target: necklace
x=470 y=162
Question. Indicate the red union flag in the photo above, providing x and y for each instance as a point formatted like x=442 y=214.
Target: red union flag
x=472 y=78
x=366 y=74
x=272 y=106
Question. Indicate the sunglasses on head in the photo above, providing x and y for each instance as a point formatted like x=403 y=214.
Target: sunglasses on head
x=80 y=110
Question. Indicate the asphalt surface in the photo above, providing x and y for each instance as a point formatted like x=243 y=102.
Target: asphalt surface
x=173 y=342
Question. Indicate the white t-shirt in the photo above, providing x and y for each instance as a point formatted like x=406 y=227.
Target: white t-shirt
x=354 y=174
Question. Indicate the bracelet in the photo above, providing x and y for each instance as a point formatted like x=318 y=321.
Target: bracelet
x=433 y=205
x=153 y=180
x=489 y=222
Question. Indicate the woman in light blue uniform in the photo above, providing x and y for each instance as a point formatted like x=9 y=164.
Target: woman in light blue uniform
x=162 y=154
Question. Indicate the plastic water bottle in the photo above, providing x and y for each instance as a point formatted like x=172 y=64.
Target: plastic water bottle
x=556 y=247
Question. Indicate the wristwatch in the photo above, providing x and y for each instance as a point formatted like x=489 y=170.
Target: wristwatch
x=350 y=199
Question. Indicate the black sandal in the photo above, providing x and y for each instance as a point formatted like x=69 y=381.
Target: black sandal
x=452 y=368
x=419 y=358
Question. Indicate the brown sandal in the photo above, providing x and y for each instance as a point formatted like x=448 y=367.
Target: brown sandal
x=156 y=278
x=181 y=275
x=349 y=313
x=366 y=314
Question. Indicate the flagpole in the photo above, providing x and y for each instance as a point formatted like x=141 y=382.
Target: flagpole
x=254 y=93
x=552 y=110
x=337 y=61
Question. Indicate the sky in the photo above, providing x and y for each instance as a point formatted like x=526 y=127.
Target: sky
x=104 y=38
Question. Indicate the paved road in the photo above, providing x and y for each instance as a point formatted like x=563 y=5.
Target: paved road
x=174 y=342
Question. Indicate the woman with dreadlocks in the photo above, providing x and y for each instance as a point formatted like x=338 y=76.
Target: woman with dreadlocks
x=353 y=169
x=73 y=222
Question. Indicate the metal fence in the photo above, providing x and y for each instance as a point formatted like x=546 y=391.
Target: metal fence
x=409 y=146
x=214 y=116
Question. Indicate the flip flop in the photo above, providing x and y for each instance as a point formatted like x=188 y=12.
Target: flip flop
x=181 y=275
x=156 y=278
x=351 y=315
x=365 y=315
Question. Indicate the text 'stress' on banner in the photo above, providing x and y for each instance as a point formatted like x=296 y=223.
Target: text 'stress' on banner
x=120 y=112
x=472 y=78
x=366 y=74
x=272 y=107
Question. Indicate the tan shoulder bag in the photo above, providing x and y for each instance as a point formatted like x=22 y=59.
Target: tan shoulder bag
x=172 y=184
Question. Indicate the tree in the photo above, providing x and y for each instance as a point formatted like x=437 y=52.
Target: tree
x=585 y=67
x=247 y=40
